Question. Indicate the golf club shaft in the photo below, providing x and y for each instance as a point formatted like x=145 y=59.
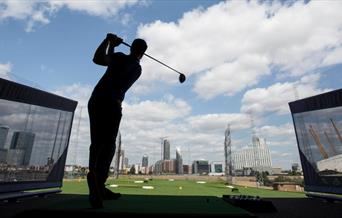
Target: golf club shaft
x=156 y=60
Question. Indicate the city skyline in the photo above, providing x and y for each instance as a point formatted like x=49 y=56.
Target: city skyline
x=256 y=152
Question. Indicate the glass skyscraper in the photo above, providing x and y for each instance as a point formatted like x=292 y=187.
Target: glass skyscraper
x=166 y=154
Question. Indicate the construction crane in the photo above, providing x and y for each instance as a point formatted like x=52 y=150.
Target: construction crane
x=318 y=142
x=332 y=146
x=336 y=130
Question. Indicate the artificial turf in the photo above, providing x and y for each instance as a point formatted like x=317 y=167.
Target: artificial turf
x=176 y=188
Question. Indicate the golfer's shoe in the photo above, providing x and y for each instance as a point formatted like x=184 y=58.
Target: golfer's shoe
x=109 y=195
x=95 y=196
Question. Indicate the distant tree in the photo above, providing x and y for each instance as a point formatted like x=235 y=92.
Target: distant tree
x=294 y=173
x=282 y=179
x=262 y=178
x=297 y=180
x=295 y=167
x=132 y=170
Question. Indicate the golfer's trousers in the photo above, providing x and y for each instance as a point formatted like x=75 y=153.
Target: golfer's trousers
x=105 y=117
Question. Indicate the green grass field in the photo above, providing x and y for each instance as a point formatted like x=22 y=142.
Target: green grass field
x=176 y=187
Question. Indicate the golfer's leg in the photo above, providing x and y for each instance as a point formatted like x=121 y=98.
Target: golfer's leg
x=107 y=152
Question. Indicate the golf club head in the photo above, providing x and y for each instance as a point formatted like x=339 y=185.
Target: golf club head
x=182 y=78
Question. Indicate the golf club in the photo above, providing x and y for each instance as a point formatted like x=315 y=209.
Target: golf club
x=181 y=78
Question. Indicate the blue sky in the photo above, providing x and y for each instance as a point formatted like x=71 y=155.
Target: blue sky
x=241 y=58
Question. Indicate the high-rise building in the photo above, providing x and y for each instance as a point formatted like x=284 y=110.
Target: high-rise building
x=262 y=154
x=23 y=140
x=165 y=167
x=126 y=162
x=158 y=167
x=137 y=168
x=122 y=161
x=257 y=156
x=179 y=162
x=169 y=166
x=216 y=168
x=151 y=169
x=144 y=161
x=15 y=157
x=3 y=136
x=166 y=150
x=200 y=167
x=186 y=169
x=3 y=155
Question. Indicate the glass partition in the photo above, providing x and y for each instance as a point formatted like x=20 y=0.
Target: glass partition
x=32 y=139
x=319 y=139
x=318 y=127
x=35 y=129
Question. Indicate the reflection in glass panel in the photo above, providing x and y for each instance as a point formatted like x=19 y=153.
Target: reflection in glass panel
x=32 y=139
x=319 y=139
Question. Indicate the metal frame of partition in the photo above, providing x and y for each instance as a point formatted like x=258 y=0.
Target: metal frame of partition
x=316 y=120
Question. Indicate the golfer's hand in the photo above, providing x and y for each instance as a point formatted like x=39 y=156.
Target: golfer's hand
x=114 y=39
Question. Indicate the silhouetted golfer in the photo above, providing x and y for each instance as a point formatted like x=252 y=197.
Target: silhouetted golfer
x=104 y=108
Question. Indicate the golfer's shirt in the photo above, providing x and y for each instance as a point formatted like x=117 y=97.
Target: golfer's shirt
x=121 y=74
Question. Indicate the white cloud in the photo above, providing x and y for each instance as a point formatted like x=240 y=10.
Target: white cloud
x=33 y=12
x=218 y=122
x=95 y=8
x=283 y=131
x=279 y=154
x=214 y=43
x=5 y=70
x=156 y=111
x=76 y=91
x=334 y=57
x=232 y=77
x=278 y=138
x=39 y=12
x=275 y=98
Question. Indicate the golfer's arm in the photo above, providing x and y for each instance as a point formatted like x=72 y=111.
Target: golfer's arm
x=110 y=49
x=101 y=57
